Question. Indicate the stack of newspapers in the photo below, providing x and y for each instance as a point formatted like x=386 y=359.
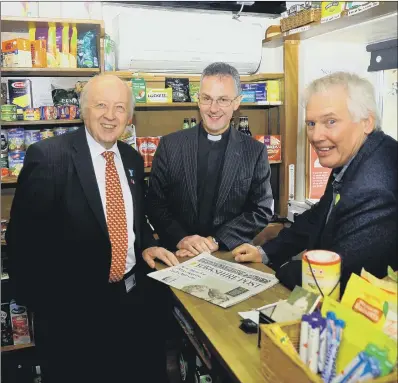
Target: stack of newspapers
x=220 y=282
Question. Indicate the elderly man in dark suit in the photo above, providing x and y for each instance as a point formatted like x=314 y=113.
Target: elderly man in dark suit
x=210 y=185
x=79 y=246
x=357 y=215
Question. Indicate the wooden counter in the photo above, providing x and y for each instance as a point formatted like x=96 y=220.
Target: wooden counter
x=235 y=350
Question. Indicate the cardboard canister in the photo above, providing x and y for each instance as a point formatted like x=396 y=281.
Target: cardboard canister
x=326 y=268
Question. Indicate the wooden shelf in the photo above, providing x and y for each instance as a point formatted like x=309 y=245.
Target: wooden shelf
x=8 y=182
x=9 y=23
x=160 y=77
x=65 y=72
x=17 y=347
x=195 y=104
x=41 y=122
x=317 y=29
x=271 y=162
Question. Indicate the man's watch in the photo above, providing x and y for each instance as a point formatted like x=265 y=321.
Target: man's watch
x=214 y=240
x=263 y=254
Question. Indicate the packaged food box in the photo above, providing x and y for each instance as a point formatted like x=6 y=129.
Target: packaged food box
x=331 y=10
x=194 y=91
x=259 y=89
x=60 y=131
x=273 y=90
x=16 y=139
x=39 y=53
x=139 y=90
x=180 y=88
x=48 y=113
x=15 y=163
x=142 y=147
x=274 y=146
x=20 y=324
x=160 y=95
x=152 y=145
x=16 y=53
x=31 y=136
x=31 y=114
x=46 y=133
x=6 y=328
x=20 y=93
x=248 y=96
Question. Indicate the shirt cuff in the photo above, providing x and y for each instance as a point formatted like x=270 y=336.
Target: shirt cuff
x=263 y=254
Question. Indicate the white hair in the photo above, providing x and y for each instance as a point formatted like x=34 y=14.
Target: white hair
x=86 y=89
x=361 y=100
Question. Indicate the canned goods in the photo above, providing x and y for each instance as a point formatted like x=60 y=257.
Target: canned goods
x=4 y=163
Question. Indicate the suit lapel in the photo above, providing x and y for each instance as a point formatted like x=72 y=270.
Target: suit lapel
x=190 y=162
x=131 y=179
x=230 y=167
x=85 y=171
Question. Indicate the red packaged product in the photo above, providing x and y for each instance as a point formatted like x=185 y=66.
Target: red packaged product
x=152 y=145
x=142 y=147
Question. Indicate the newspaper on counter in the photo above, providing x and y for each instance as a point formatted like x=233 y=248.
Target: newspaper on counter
x=220 y=282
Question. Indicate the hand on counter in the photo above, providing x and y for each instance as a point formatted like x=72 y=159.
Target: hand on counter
x=151 y=253
x=246 y=253
x=194 y=245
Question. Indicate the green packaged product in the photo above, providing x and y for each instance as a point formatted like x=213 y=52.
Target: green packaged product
x=194 y=91
x=139 y=90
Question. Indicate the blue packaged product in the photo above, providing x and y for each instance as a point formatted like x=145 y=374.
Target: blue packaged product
x=15 y=163
x=87 y=56
x=31 y=136
x=248 y=96
x=16 y=139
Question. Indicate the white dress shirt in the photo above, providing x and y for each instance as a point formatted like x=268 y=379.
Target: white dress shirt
x=99 y=163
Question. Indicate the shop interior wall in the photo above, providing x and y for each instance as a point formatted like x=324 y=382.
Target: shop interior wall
x=318 y=58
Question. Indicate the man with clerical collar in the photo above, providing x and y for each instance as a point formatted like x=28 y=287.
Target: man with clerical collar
x=210 y=185
x=357 y=215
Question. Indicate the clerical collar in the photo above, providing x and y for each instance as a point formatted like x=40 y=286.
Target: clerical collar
x=214 y=138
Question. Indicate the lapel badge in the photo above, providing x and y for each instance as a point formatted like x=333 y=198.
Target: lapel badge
x=337 y=199
x=131 y=172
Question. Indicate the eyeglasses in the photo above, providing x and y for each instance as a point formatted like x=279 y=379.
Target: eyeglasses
x=223 y=101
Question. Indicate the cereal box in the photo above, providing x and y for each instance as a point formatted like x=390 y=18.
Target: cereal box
x=20 y=324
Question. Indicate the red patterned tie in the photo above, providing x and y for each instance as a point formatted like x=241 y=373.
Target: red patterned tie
x=116 y=219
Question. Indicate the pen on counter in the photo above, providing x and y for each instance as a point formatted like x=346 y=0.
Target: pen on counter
x=270 y=305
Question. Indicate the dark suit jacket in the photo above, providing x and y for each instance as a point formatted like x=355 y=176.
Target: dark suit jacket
x=362 y=227
x=243 y=205
x=57 y=239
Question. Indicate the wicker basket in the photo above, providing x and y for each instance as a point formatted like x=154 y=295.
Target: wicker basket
x=304 y=17
x=279 y=366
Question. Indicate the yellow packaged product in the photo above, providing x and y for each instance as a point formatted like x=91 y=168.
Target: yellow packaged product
x=331 y=10
x=163 y=95
x=388 y=286
x=73 y=48
x=358 y=332
x=377 y=306
x=64 y=52
x=273 y=91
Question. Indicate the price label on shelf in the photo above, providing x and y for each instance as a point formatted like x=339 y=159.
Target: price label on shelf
x=330 y=18
x=363 y=8
x=298 y=30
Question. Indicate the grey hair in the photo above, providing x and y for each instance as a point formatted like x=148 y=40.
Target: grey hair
x=361 y=100
x=221 y=69
x=86 y=89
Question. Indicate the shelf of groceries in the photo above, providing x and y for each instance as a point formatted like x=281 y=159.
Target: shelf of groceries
x=310 y=21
